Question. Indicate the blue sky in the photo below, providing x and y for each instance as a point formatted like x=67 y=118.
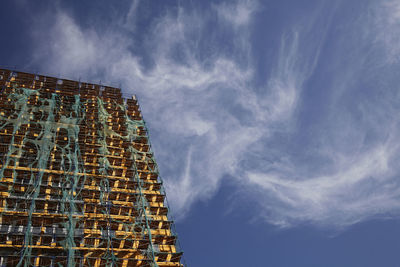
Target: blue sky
x=275 y=123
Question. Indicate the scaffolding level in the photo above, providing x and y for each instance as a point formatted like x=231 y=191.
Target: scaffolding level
x=79 y=185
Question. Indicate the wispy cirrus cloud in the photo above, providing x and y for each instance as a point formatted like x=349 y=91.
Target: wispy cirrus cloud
x=342 y=164
x=238 y=13
x=209 y=120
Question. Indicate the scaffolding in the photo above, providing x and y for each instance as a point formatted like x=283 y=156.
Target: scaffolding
x=79 y=185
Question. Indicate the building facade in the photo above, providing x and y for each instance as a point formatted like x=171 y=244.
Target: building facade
x=79 y=185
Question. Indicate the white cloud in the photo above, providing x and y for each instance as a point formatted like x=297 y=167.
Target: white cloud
x=238 y=13
x=337 y=199
x=359 y=147
x=129 y=21
x=385 y=24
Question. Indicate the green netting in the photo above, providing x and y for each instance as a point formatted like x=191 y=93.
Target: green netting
x=133 y=127
x=41 y=145
x=46 y=134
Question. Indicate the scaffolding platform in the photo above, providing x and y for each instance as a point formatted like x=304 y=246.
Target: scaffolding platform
x=79 y=185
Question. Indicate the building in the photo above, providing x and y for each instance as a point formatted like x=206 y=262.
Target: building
x=79 y=185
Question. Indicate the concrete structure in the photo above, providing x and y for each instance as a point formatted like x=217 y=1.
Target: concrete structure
x=78 y=182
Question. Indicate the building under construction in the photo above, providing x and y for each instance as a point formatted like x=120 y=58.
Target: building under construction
x=79 y=185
